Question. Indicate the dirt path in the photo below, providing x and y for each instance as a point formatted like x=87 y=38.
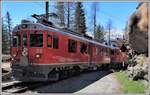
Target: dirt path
x=107 y=84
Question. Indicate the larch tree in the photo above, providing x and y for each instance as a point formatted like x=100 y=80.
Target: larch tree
x=5 y=38
x=80 y=23
x=69 y=14
x=9 y=27
x=60 y=12
x=9 y=22
x=99 y=33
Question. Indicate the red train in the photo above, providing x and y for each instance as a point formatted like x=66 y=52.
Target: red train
x=42 y=53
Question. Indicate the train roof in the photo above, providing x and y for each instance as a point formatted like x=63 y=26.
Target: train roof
x=39 y=26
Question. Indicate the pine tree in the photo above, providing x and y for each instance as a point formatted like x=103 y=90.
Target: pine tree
x=5 y=39
x=60 y=12
x=99 y=33
x=80 y=23
x=9 y=28
x=9 y=22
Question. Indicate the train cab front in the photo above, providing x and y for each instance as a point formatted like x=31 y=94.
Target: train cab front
x=26 y=51
x=19 y=53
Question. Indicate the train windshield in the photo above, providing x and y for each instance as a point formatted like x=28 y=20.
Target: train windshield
x=16 y=40
x=36 y=40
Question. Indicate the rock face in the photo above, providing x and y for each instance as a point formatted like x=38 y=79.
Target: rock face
x=137 y=37
x=137 y=29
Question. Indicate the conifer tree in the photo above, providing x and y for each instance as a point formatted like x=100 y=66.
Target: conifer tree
x=80 y=23
x=5 y=38
x=9 y=29
x=60 y=12
x=99 y=33
x=70 y=15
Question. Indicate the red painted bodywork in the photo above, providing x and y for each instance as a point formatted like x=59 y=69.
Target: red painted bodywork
x=61 y=55
x=119 y=56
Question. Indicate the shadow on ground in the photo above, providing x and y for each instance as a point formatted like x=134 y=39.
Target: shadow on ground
x=73 y=84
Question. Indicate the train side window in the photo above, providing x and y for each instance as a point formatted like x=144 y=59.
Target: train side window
x=112 y=52
x=98 y=50
x=72 y=46
x=118 y=52
x=19 y=40
x=16 y=41
x=89 y=49
x=83 y=48
x=102 y=51
x=24 y=39
x=55 y=42
x=115 y=52
x=94 y=50
x=106 y=51
x=49 y=41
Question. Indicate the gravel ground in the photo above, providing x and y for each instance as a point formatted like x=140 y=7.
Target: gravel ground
x=6 y=71
x=6 y=66
x=94 y=82
x=107 y=84
x=100 y=82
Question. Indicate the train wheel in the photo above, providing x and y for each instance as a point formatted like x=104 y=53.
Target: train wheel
x=95 y=68
x=101 y=67
x=119 y=66
x=104 y=67
x=77 y=70
x=71 y=72
x=63 y=74
x=54 y=76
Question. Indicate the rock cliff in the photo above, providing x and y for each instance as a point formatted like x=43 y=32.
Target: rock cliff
x=137 y=29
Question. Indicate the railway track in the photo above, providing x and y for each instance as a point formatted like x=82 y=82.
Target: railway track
x=22 y=87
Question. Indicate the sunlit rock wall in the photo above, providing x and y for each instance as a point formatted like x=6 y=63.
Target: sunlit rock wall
x=137 y=29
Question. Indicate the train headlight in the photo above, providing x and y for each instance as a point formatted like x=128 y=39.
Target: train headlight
x=38 y=55
x=14 y=55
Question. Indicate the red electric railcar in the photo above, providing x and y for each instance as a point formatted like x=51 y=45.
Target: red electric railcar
x=42 y=53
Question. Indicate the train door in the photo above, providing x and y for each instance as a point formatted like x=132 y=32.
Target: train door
x=90 y=52
x=24 y=49
x=16 y=43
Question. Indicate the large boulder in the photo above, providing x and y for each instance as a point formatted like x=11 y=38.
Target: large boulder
x=137 y=29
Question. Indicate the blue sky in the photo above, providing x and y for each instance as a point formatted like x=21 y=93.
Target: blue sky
x=118 y=12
